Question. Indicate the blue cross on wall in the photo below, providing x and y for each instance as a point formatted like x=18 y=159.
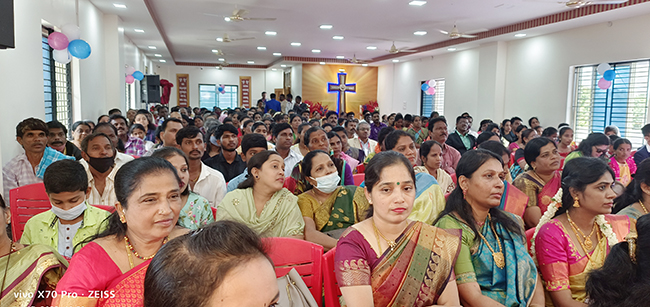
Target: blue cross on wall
x=341 y=88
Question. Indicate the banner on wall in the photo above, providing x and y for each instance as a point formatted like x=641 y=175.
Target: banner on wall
x=183 y=98
x=245 y=93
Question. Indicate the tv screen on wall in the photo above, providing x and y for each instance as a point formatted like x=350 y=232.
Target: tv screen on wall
x=7 y=24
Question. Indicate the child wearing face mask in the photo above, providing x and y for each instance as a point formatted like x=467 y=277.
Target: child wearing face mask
x=71 y=220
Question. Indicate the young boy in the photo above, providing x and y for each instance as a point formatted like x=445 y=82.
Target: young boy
x=71 y=219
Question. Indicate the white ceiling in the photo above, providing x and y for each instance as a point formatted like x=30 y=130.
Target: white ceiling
x=192 y=34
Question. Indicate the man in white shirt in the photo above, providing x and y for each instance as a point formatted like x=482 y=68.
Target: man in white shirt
x=204 y=180
x=288 y=104
x=362 y=141
x=283 y=136
x=111 y=132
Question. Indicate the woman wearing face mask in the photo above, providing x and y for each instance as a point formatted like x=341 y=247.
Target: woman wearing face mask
x=389 y=260
x=196 y=212
x=326 y=207
x=595 y=145
x=261 y=202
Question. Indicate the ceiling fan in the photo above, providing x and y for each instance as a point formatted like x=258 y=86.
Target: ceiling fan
x=227 y=39
x=356 y=61
x=395 y=50
x=574 y=4
x=454 y=33
x=218 y=52
x=238 y=15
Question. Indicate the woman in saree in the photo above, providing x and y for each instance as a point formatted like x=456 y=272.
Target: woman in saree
x=431 y=156
x=327 y=208
x=419 y=133
x=516 y=144
x=622 y=162
x=635 y=200
x=519 y=165
x=27 y=271
x=542 y=180
x=389 y=260
x=261 y=202
x=595 y=145
x=110 y=269
x=493 y=267
x=429 y=199
x=574 y=237
x=565 y=143
x=336 y=145
x=196 y=211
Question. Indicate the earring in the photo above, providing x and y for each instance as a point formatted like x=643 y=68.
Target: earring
x=464 y=194
x=576 y=203
x=122 y=219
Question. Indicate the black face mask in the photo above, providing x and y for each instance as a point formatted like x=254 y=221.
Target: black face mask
x=101 y=165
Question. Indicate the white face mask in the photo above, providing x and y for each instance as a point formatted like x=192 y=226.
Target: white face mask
x=70 y=214
x=327 y=183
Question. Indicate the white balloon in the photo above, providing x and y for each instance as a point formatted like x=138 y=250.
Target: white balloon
x=130 y=70
x=62 y=56
x=432 y=83
x=603 y=67
x=71 y=31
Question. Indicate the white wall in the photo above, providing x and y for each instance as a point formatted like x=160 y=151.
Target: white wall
x=523 y=77
x=261 y=80
x=296 y=80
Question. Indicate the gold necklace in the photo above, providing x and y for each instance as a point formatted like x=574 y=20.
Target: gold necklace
x=645 y=210
x=498 y=257
x=391 y=243
x=130 y=247
x=583 y=246
x=587 y=239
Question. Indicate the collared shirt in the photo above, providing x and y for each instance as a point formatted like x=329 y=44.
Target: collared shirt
x=234 y=183
x=273 y=105
x=290 y=161
x=368 y=147
x=228 y=170
x=210 y=185
x=107 y=196
x=450 y=158
x=18 y=172
x=66 y=235
x=466 y=140
x=135 y=146
x=43 y=228
x=374 y=130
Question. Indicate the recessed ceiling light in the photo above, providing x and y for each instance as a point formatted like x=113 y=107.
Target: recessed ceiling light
x=152 y=47
x=325 y=27
x=219 y=39
x=162 y=61
x=520 y=35
x=158 y=55
x=451 y=49
x=338 y=37
x=322 y=63
x=274 y=69
x=420 y=32
x=226 y=18
x=271 y=33
x=340 y=57
x=395 y=61
x=341 y=69
x=250 y=62
x=283 y=65
x=261 y=48
x=138 y=30
x=277 y=54
x=364 y=64
x=119 y=5
x=221 y=59
x=315 y=50
x=371 y=48
x=215 y=50
x=417 y=3
x=295 y=44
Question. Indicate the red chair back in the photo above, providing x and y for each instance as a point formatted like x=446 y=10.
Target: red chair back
x=453 y=178
x=214 y=212
x=359 y=178
x=304 y=256
x=332 y=290
x=30 y=200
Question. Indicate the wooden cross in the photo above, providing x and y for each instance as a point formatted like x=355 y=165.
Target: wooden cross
x=341 y=88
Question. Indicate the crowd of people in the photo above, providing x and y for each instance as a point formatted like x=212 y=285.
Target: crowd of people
x=166 y=207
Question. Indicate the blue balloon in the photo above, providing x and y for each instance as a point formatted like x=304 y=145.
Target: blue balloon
x=609 y=75
x=138 y=75
x=79 y=49
x=220 y=89
x=425 y=86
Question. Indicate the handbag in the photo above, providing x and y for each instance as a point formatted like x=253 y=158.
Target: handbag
x=294 y=291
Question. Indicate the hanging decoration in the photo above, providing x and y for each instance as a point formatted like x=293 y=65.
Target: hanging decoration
x=605 y=70
x=67 y=44
x=221 y=89
x=429 y=87
x=132 y=74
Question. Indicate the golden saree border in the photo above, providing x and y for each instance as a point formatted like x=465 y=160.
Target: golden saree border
x=129 y=291
x=559 y=272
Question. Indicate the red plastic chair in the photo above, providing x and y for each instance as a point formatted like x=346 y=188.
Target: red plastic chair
x=361 y=168
x=110 y=209
x=332 y=290
x=304 y=256
x=214 y=212
x=359 y=178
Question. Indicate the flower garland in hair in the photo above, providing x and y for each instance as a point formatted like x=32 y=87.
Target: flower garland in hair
x=556 y=203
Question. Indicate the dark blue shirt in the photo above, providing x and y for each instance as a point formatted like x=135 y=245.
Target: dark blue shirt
x=273 y=104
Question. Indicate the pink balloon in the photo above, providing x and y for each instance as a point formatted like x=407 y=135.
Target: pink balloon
x=58 y=41
x=604 y=84
x=431 y=91
x=130 y=70
x=129 y=79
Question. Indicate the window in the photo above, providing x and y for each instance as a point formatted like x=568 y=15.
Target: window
x=209 y=97
x=435 y=102
x=624 y=104
x=56 y=81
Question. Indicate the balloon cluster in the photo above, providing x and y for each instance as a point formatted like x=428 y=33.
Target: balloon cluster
x=221 y=89
x=608 y=76
x=66 y=44
x=429 y=87
x=132 y=75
